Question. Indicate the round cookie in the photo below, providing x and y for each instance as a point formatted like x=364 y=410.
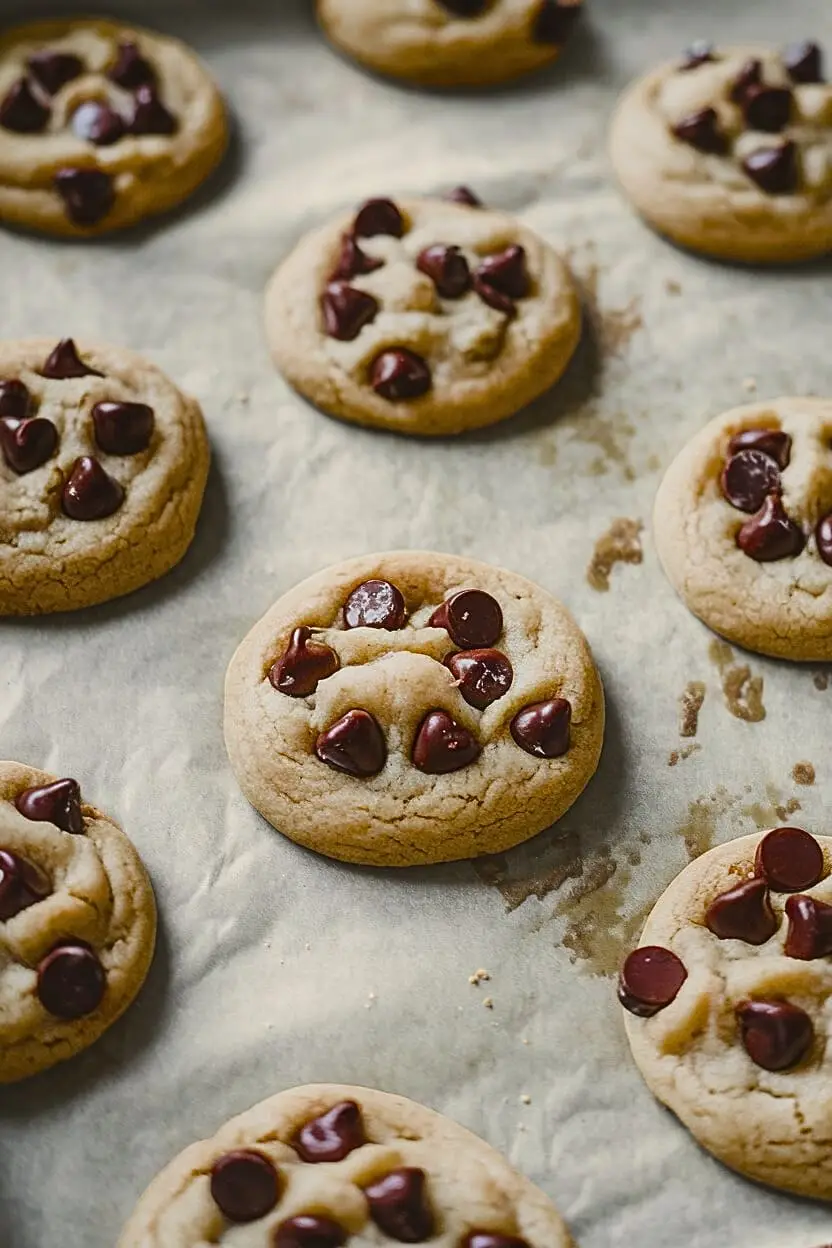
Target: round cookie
x=77 y=922
x=101 y=125
x=727 y=1006
x=743 y=527
x=409 y=708
x=103 y=464
x=422 y=316
x=325 y=1165
x=729 y=152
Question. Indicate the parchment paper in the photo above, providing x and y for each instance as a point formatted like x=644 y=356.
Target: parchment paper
x=275 y=966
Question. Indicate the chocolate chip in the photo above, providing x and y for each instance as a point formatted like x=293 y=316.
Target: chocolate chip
x=354 y=744
x=447 y=268
x=483 y=676
x=767 y=108
x=442 y=745
x=804 y=61
x=494 y=298
x=346 y=310
x=490 y=1239
x=399 y=374
x=309 y=1231
x=331 y=1136
x=89 y=492
x=95 y=122
x=26 y=444
x=772 y=442
x=15 y=400
x=823 y=537
x=774 y=169
x=375 y=604
x=464 y=8
x=701 y=130
x=543 y=728
x=749 y=76
x=378 y=216
x=775 y=1034
x=770 y=534
x=65 y=362
x=810 y=928
x=303 y=665
x=131 y=69
x=472 y=619
x=354 y=262
x=790 y=860
x=123 y=428
x=506 y=272
x=58 y=803
x=464 y=195
x=743 y=913
x=747 y=478
x=71 y=981
x=150 y=116
x=399 y=1205
x=554 y=21
x=53 y=70
x=650 y=980
x=22 y=110
x=88 y=194
x=699 y=53
x=22 y=884
x=244 y=1185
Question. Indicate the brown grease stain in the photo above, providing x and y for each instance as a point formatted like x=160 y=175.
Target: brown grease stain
x=803 y=773
x=620 y=544
x=610 y=434
x=614 y=327
x=821 y=681
x=690 y=704
x=679 y=756
x=699 y=829
x=743 y=692
x=672 y=286
x=596 y=932
x=567 y=864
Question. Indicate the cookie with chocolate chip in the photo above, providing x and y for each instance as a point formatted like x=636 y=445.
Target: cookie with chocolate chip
x=103 y=464
x=726 y=1005
x=77 y=921
x=324 y=1166
x=728 y=151
x=408 y=708
x=101 y=125
x=743 y=527
x=423 y=316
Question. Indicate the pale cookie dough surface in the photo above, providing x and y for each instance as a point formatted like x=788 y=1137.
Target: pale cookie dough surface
x=52 y=562
x=403 y=817
x=707 y=201
x=775 y=1127
x=151 y=173
x=470 y=1186
x=485 y=365
x=101 y=895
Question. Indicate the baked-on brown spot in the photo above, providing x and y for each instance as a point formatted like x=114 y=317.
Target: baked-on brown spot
x=803 y=773
x=690 y=704
x=678 y=756
x=743 y=692
x=621 y=543
x=821 y=681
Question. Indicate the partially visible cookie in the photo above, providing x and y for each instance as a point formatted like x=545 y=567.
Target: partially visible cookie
x=743 y=527
x=101 y=125
x=423 y=316
x=77 y=922
x=103 y=465
x=325 y=1166
x=728 y=1006
x=728 y=151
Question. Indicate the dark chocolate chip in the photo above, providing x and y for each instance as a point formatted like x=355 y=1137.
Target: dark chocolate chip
x=804 y=61
x=810 y=928
x=464 y=8
x=555 y=21
x=65 y=362
x=95 y=122
x=650 y=980
x=399 y=1205
x=71 y=981
x=378 y=216
x=353 y=262
x=790 y=860
x=506 y=272
x=88 y=194
x=743 y=913
x=472 y=619
x=823 y=537
x=543 y=728
x=245 y=1185
x=447 y=268
x=772 y=442
x=354 y=744
x=442 y=745
x=491 y=1239
x=309 y=1231
x=131 y=69
x=494 y=298
x=767 y=108
x=701 y=130
x=770 y=534
x=346 y=310
x=774 y=169
x=22 y=884
x=26 y=444
x=699 y=53
x=331 y=1136
x=303 y=665
x=150 y=116
x=375 y=604
x=123 y=428
x=483 y=676
x=776 y=1034
x=58 y=803
x=749 y=76
x=53 y=70
x=398 y=375
x=748 y=477
x=464 y=195
x=89 y=492
x=15 y=400
x=22 y=110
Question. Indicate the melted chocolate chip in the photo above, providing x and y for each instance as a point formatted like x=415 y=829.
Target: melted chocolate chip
x=26 y=444
x=15 y=400
x=58 y=803
x=464 y=195
x=767 y=108
x=447 y=268
x=89 y=492
x=53 y=70
x=748 y=477
x=743 y=913
x=150 y=116
x=494 y=298
x=353 y=262
x=65 y=362
x=804 y=61
x=378 y=216
x=88 y=194
x=699 y=53
x=506 y=272
x=483 y=676
x=770 y=534
x=775 y=1034
x=131 y=69
x=398 y=375
x=309 y=1231
x=71 y=981
x=772 y=442
x=810 y=928
x=823 y=537
x=464 y=8
x=22 y=110
x=650 y=980
x=346 y=310
x=375 y=604
x=774 y=169
x=701 y=130
x=303 y=665
x=244 y=1185
x=354 y=744
x=543 y=728
x=22 y=884
x=749 y=76
x=790 y=860
x=399 y=1205
x=442 y=745
x=472 y=619
x=331 y=1136
x=95 y=122
x=491 y=1239
x=123 y=428
x=555 y=21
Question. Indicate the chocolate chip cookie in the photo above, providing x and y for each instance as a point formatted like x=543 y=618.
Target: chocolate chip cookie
x=77 y=922
x=101 y=125
x=409 y=708
x=103 y=464
x=728 y=151
x=743 y=527
x=324 y=1166
x=727 y=1006
x=423 y=316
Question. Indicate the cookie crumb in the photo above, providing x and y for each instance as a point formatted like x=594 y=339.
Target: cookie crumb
x=749 y=385
x=690 y=704
x=620 y=544
x=523 y=1040
x=526 y=1099
x=678 y=756
x=673 y=287
x=803 y=773
x=488 y=1002
x=821 y=681
x=478 y=977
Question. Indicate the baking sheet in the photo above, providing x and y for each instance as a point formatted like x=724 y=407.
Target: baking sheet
x=274 y=966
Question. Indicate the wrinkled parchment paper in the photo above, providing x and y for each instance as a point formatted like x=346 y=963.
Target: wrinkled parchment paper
x=275 y=966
